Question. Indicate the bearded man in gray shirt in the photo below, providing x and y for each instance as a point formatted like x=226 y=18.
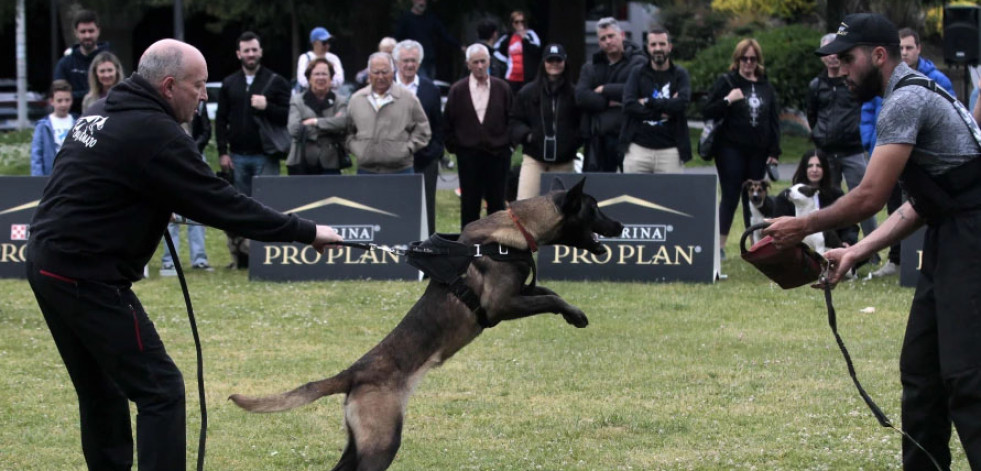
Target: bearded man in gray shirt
x=928 y=142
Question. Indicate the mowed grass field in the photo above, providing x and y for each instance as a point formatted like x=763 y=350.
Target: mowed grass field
x=738 y=374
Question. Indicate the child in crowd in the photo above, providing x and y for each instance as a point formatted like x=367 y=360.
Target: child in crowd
x=50 y=131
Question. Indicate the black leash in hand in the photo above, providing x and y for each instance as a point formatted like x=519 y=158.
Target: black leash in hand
x=876 y=411
x=197 y=349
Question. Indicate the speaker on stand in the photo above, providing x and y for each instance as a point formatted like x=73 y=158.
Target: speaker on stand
x=962 y=40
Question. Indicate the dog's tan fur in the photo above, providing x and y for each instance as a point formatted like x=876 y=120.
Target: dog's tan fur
x=379 y=384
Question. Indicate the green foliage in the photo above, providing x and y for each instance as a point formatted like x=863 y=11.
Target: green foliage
x=693 y=27
x=789 y=55
x=784 y=9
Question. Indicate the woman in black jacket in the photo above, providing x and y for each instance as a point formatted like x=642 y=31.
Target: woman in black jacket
x=750 y=136
x=545 y=121
x=815 y=171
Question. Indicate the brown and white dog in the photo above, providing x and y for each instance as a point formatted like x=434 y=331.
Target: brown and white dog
x=379 y=384
x=760 y=203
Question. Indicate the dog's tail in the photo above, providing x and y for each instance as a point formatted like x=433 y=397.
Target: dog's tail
x=300 y=396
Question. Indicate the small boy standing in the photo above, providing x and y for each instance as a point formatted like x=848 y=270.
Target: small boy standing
x=50 y=131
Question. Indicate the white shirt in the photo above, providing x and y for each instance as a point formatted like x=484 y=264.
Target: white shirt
x=61 y=127
x=378 y=101
x=412 y=86
x=301 y=69
x=480 y=96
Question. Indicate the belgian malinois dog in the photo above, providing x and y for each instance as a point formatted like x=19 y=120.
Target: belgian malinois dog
x=378 y=385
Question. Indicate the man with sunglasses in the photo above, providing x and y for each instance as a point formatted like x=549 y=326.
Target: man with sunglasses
x=655 y=98
x=928 y=141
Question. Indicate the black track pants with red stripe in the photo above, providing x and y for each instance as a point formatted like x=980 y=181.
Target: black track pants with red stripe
x=114 y=355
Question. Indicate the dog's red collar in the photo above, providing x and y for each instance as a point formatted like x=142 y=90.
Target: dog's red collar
x=528 y=238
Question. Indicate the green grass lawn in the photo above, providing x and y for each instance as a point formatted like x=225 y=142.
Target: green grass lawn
x=733 y=375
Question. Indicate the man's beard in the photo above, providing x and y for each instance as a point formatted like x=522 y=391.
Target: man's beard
x=869 y=86
x=251 y=66
x=659 y=58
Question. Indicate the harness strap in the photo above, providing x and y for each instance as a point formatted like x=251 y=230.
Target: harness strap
x=466 y=295
x=876 y=411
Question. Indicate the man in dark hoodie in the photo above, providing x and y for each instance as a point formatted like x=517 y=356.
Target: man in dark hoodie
x=121 y=173
x=74 y=67
x=600 y=94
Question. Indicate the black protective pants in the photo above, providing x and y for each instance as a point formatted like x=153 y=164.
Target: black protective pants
x=941 y=359
x=114 y=355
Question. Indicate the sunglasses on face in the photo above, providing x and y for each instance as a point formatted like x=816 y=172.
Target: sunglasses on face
x=518 y=22
x=748 y=59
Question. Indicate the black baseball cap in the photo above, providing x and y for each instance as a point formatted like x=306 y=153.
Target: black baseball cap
x=554 y=50
x=861 y=29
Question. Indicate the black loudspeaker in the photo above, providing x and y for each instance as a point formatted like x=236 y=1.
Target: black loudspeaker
x=962 y=34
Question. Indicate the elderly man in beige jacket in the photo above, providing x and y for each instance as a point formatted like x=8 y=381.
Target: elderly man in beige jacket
x=386 y=124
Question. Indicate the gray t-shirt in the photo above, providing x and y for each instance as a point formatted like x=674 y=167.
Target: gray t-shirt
x=921 y=117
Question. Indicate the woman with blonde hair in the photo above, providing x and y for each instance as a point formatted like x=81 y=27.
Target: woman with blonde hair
x=750 y=135
x=104 y=73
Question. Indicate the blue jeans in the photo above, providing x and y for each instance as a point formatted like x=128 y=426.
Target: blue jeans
x=195 y=239
x=248 y=166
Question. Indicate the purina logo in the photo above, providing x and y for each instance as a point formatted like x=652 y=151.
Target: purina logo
x=642 y=233
x=340 y=202
x=19 y=231
x=358 y=233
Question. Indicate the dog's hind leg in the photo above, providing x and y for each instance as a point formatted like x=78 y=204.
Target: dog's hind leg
x=375 y=420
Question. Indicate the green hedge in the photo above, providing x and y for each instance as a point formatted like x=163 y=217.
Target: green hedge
x=789 y=55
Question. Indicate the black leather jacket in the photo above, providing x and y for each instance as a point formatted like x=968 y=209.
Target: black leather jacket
x=834 y=116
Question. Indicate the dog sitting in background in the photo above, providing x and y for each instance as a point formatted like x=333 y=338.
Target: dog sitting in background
x=761 y=205
x=803 y=197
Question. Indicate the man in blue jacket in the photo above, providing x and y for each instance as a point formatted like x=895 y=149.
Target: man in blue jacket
x=74 y=67
x=910 y=48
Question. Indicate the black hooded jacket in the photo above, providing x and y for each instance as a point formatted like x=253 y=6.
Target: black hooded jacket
x=543 y=108
x=834 y=116
x=604 y=119
x=123 y=169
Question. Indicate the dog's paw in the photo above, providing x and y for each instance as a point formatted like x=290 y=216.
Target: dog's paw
x=576 y=318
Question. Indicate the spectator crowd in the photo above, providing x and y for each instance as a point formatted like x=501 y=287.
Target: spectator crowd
x=625 y=113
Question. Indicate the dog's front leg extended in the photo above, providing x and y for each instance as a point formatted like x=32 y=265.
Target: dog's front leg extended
x=523 y=306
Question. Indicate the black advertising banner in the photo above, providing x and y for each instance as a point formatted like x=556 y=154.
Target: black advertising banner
x=381 y=209
x=911 y=254
x=19 y=197
x=670 y=230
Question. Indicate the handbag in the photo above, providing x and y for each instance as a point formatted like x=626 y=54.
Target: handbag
x=275 y=139
x=709 y=138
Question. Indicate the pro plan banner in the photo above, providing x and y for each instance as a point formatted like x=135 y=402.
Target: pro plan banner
x=911 y=255
x=19 y=197
x=670 y=229
x=381 y=209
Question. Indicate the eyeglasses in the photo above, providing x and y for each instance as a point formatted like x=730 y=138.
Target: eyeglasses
x=518 y=22
x=554 y=60
x=748 y=59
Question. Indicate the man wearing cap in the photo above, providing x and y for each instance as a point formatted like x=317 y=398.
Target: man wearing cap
x=931 y=145
x=655 y=135
x=320 y=42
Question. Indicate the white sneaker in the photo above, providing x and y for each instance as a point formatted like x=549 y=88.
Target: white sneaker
x=887 y=269
x=168 y=270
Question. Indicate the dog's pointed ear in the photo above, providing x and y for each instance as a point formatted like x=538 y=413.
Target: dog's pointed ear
x=572 y=200
x=557 y=184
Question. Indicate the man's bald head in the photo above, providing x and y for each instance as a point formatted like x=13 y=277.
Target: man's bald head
x=168 y=57
x=178 y=71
